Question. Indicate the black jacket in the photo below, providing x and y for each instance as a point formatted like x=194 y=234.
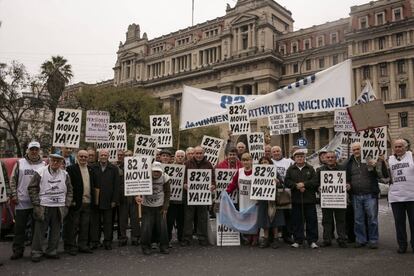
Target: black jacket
x=306 y=175
x=77 y=184
x=373 y=176
x=107 y=182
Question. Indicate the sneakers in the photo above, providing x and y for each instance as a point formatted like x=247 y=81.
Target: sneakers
x=314 y=246
x=295 y=245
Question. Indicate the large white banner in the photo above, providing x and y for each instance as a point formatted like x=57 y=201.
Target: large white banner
x=200 y=108
x=67 y=128
x=97 y=123
x=325 y=91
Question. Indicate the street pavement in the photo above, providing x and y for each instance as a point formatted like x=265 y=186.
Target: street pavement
x=212 y=260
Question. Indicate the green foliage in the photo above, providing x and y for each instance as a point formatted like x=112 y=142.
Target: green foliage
x=193 y=137
x=125 y=104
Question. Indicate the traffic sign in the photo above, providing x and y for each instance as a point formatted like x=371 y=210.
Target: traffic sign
x=302 y=142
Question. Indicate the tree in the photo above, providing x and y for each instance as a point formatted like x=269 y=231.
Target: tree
x=57 y=74
x=19 y=93
x=130 y=105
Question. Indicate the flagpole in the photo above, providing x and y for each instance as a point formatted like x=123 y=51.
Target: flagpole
x=192 y=13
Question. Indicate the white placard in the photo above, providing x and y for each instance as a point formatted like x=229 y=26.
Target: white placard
x=256 y=144
x=3 y=195
x=145 y=145
x=176 y=173
x=263 y=186
x=97 y=125
x=239 y=122
x=137 y=176
x=117 y=140
x=67 y=128
x=226 y=236
x=373 y=143
x=333 y=189
x=212 y=147
x=199 y=183
x=161 y=127
x=223 y=179
x=280 y=124
x=342 y=121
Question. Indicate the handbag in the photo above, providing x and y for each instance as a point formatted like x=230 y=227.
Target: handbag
x=283 y=197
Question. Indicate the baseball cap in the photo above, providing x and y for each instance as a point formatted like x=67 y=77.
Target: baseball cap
x=300 y=151
x=156 y=167
x=33 y=144
x=56 y=155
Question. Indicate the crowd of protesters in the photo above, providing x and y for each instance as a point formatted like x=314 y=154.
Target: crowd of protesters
x=80 y=197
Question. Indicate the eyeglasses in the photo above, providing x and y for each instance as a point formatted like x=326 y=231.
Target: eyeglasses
x=83 y=156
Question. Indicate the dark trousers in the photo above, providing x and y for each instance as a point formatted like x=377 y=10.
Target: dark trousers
x=175 y=215
x=76 y=228
x=329 y=217
x=307 y=217
x=128 y=209
x=202 y=217
x=287 y=230
x=53 y=222
x=401 y=211
x=21 y=218
x=152 y=219
x=107 y=223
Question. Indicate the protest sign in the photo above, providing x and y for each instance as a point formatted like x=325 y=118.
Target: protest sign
x=161 y=127
x=3 y=195
x=117 y=140
x=333 y=189
x=256 y=145
x=342 y=121
x=212 y=147
x=226 y=236
x=238 y=119
x=137 y=176
x=223 y=179
x=199 y=183
x=97 y=124
x=280 y=124
x=373 y=143
x=368 y=115
x=176 y=173
x=263 y=186
x=145 y=145
x=67 y=128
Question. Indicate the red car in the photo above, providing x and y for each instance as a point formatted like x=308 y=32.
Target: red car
x=7 y=217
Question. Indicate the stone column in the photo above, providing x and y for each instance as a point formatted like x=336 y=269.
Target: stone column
x=410 y=87
x=330 y=134
x=390 y=41
x=254 y=92
x=393 y=86
x=240 y=41
x=317 y=139
x=357 y=82
x=375 y=79
x=249 y=36
x=290 y=141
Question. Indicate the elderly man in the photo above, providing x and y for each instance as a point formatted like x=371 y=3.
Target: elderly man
x=175 y=214
x=401 y=193
x=362 y=178
x=300 y=179
x=329 y=213
x=198 y=162
x=106 y=188
x=127 y=207
x=91 y=156
x=51 y=195
x=76 y=223
x=189 y=153
x=23 y=172
x=231 y=161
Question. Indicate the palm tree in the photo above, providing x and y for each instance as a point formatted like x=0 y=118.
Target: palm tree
x=57 y=74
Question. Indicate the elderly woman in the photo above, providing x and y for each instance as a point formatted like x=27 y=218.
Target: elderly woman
x=401 y=192
x=268 y=215
x=242 y=180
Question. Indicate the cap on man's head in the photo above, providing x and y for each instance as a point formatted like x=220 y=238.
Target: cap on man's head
x=322 y=151
x=156 y=167
x=56 y=156
x=300 y=152
x=166 y=151
x=33 y=144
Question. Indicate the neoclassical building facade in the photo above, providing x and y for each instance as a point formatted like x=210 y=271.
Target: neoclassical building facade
x=253 y=50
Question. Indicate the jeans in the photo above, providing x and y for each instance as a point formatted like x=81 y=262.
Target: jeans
x=128 y=209
x=153 y=219
x=366 y=205
x=402 y=210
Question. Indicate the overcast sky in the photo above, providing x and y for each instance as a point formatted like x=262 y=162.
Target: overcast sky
x=87 y=32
